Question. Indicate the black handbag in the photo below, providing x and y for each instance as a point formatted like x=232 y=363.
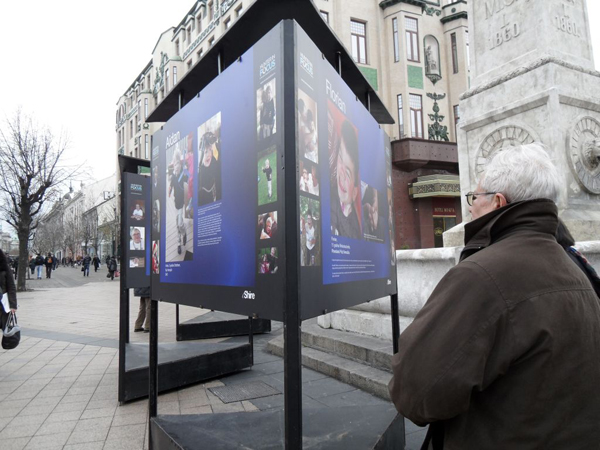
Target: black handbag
x=11 y=332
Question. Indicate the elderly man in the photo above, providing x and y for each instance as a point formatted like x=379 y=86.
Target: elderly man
x=504 y=354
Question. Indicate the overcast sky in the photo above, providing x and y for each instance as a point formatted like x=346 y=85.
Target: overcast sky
x=68 y=62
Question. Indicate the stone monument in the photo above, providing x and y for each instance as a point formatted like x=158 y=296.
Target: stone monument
x=533 y=79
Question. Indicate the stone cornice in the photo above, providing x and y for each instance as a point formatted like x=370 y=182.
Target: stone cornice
x=386 y=3
x=525 y=69
x=458 y=15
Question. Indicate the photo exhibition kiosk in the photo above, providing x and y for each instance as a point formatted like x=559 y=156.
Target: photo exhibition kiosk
x=271 y=184
x=179 y=364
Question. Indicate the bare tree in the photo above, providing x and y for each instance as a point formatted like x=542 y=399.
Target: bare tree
x=31 y=171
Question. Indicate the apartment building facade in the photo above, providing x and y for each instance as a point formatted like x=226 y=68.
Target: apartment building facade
x=415 y=55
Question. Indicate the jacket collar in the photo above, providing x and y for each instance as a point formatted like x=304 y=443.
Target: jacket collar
x=539 y=215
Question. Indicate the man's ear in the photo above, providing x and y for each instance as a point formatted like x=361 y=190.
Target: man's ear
x=500 y=200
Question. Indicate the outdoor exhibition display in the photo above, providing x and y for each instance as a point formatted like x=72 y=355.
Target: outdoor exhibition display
x=272 y=199
x=219 y=225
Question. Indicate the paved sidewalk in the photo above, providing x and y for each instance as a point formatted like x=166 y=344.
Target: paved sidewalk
x=58 y=389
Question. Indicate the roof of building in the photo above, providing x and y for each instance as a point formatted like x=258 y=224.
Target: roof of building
x=258 y=19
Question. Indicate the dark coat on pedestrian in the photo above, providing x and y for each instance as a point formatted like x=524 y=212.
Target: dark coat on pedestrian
x=39 y=260
x=504 y=354
x=7 y=283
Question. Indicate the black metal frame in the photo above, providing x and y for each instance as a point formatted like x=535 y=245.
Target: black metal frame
x=126 y=165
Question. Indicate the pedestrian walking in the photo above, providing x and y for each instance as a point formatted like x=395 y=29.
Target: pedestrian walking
x=49 y=263
x=7 y=284
x=504 y=354
x=96 y=263
x=39 y=264
x=31 y=266
x=15 y=266
x=112 y=267
x=144 y=311
x=85 y=265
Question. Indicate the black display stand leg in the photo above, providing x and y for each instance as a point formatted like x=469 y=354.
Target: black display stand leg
x=123 y=338
x=395 y=322
x=153 y=367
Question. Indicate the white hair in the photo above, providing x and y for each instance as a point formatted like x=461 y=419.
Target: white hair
x=521 y=173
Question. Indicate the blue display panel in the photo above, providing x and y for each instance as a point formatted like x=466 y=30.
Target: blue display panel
x=216 y=169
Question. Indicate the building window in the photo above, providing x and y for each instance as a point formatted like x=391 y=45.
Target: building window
x=416 y=115
x=400 y=116
x=148 y=79
x=325 y=16
x=211 y=11
x=145 y=108
x=227 y=23
x=211 y=41
x=189 y=65
x=358 y=32
x=454 y=53
x=199 y=22
x=456 y=120
x=166 y=80
x=199 y=53
x=177 y=47
x=238 y=11
x=412 y=39
x=130 y=129
x=174 y=75
x=146 y=147
x=396 y=41
x=189 y=33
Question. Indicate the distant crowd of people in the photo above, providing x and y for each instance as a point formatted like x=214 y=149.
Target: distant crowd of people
x=39 y=264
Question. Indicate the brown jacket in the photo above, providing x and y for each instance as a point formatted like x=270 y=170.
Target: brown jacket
x=505 y=354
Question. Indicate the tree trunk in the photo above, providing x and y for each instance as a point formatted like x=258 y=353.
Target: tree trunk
x=23 y=236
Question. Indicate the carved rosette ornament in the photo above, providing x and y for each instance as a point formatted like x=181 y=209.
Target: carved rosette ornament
x=583 y=148
x=503 y=137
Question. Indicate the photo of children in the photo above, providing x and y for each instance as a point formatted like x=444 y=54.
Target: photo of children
x=265 y=110
x=267 y=177
x=155 y=258
x=138 y=211
x=310 y=235
x=137 y=241
x=309 y=178
x=373 y=220
x=307 y=127
x=137 y=262
x=267 y=225
x=178 y=227
x=209 y=159
x=268 y=260
x=344 y=176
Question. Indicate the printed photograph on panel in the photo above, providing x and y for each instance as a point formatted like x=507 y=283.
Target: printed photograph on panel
x=307 y=127
x=267 y=225
x=155 y=257
x=268 y=260
x=373 y=219
x=310 y=232
x=209 y=157
x=267 y=177
x=309 y=177
x=137 y=262
x=137 y=239
x=179 y=232
x=138 y=210
x=266 y=117
x=344 y=175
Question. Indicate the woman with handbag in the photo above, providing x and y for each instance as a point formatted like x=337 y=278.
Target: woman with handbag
x=7 y=284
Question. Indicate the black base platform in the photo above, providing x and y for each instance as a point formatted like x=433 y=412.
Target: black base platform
x=217 y=324
x=181 y=365
x=343 y=428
